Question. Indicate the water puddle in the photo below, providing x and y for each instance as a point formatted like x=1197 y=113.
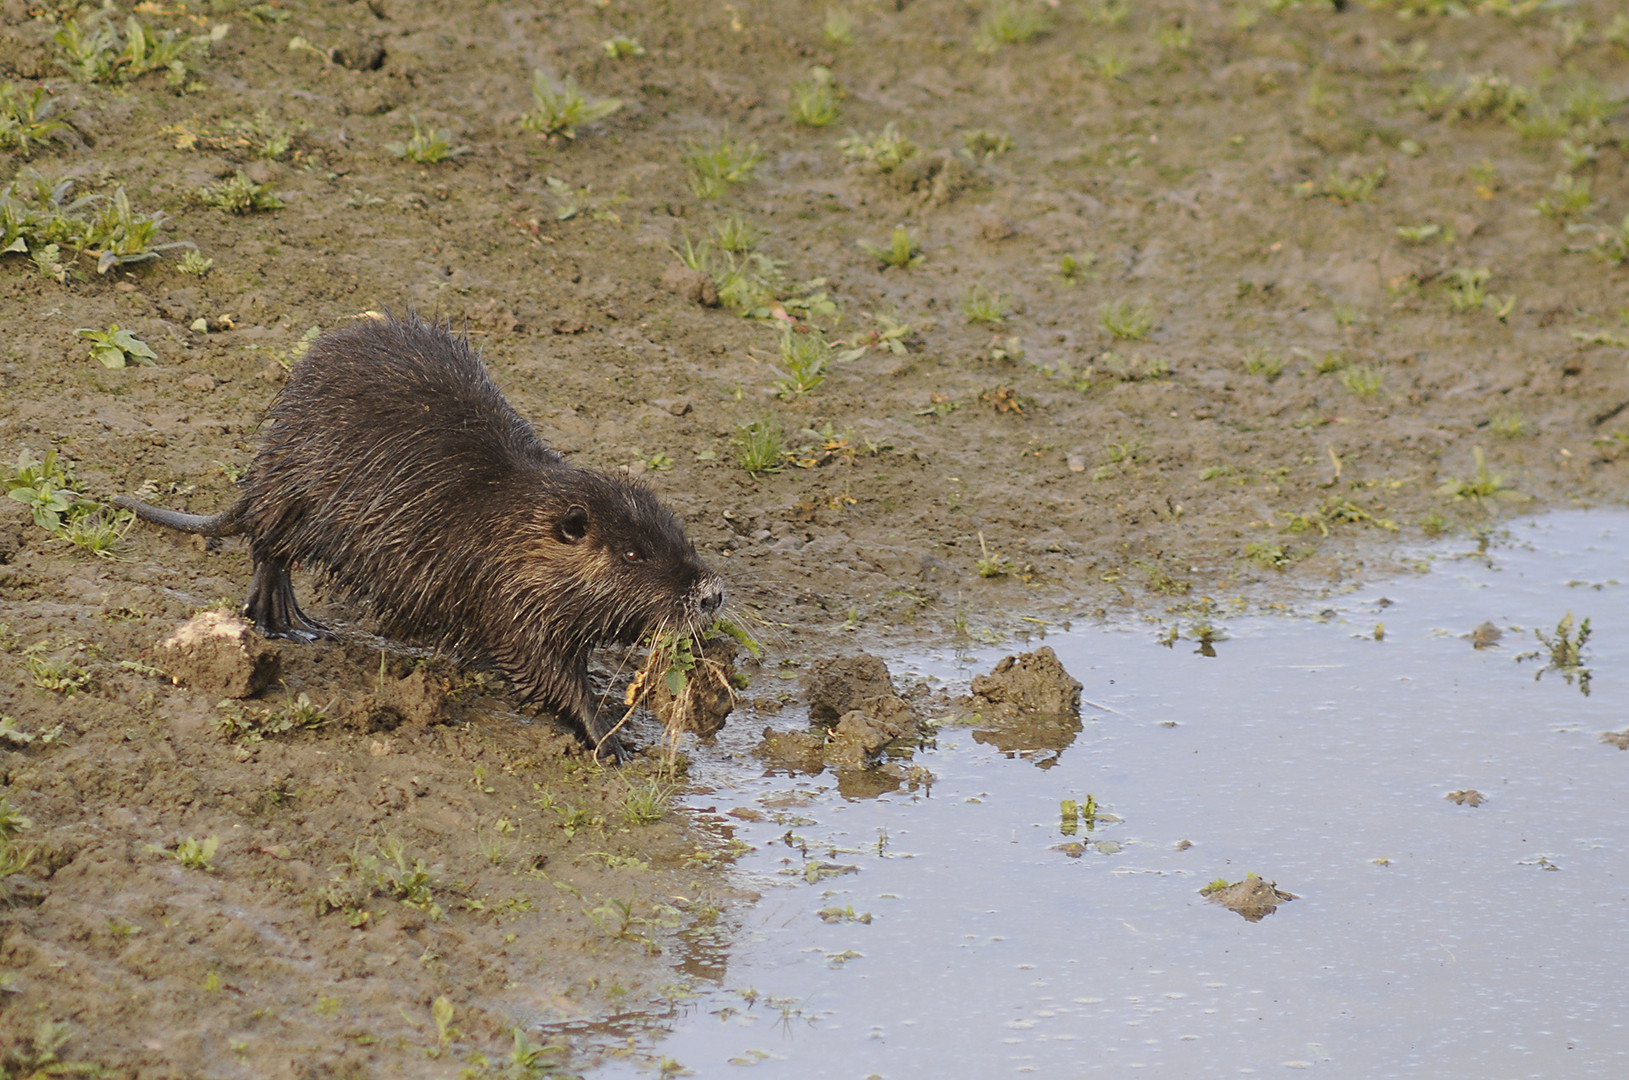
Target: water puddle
x=960 y=931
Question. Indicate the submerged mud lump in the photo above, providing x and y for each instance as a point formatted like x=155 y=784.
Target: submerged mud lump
x=392 y=466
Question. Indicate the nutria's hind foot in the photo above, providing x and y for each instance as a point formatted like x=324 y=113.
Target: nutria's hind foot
x=613 y=751
x=272 y=608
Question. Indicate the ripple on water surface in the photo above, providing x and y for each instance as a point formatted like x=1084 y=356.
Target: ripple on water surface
x=1430 y=938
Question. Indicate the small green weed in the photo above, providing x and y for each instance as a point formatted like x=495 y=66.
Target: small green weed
x=114 y=347
x=561 y=109
x=735 y=235
x=982 y=144
x=992 y=564
x=1109 y=64
x=1363 y=380
x=1482 y=484
x=1467 y=288
x=804 y=356
x=1010 y=22
x=1270 y=556
x=195 y=264
x=239 y=195
x=95 y=51
x=980 y=305
x=645 y=802
x=1611 y=242
x=884 y=150
x=1353 y=189
x=1569 y=197
x=1072 y=269
x=58 y=674
x=837 y=27
x=259 y=137
x=1127 y=320
x=46 y=488
x=1508 y=424
x=620 y=47
x=901 y=253
x=36 y=212
x=195 y=854
x=758 y=446
x=1174 y=38
x=1420 y=234
x=1566 y=649
x=1133 y=368
x=1264 y=362
x=816 y=99
x=715 y=165
x=427 y=146
x=25 y=118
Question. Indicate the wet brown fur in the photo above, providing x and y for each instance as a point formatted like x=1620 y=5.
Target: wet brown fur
x=393 y=466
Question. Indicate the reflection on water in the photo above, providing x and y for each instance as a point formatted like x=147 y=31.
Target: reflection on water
x=962 y=930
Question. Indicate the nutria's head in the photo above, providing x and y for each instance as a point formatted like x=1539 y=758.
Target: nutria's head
x=611 y=563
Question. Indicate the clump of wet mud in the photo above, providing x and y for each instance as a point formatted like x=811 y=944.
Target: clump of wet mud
x=856 y=714
x=705 y=694
x=1253 y=898
x=221 y=654
x=1028 y=706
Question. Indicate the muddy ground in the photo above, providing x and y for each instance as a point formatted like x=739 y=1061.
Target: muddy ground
x=1296 y=386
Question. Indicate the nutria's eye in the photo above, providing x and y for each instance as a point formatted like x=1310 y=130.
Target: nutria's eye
x=633 y=556
x=573 y=525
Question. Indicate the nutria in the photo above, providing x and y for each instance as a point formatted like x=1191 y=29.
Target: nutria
x=392 y=466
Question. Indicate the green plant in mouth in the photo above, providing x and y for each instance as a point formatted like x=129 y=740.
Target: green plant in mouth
x=25 y=118
x=237 y=194
x=1127 y=320
x=901 y=253
x=758 y=446
x=717 y=164
x=427 y=146
x=561 y=109
x=816 y=98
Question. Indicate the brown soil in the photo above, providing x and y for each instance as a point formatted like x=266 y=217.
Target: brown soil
x=951 y=488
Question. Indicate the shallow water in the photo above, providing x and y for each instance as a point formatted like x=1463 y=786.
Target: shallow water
x=1429 y=939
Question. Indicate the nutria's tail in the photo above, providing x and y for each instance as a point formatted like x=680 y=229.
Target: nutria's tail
x=228 y=522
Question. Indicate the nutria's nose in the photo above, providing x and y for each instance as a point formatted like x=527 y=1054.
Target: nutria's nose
x=712 y=596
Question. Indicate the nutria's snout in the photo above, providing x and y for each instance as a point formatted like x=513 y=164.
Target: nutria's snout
x=709 y=595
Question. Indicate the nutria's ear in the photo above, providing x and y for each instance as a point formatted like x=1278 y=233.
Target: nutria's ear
x=573 y=525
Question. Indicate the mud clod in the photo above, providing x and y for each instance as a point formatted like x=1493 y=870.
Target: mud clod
x=695 y=286
x=839 y=685
x=417 y=701
x=1253 y=898
x=862 y=732
x=1467 y=797
x=1029 y=682
x=220 y=654
x=707 y=697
